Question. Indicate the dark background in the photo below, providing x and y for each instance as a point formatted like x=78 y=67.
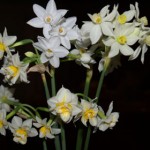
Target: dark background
x=128 y=86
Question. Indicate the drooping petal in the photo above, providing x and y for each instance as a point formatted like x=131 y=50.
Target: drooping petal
x=126 y=50
x=54 y=61
x=95 y=34
x=107 y=28
x=114 y=50
x=136 y=53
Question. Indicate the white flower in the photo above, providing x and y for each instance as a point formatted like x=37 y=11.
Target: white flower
x=46 y=130
x=65 y=32
x=121 y=40
x=5 y=94
x=89 y=112
x=84 y=57
x=14 y=70
x=100 y=24
x=3 y=122
x=5 y=42
x=46 y=18
x=22 y=129
x=51 y=50
x=109 y=121
x=64 y=104
x=125 y=17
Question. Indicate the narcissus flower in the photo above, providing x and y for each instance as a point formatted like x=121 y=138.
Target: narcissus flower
x=22 y=129
x=51 y=50
x=46 y=130
x=5 y=42
x=14 y=70
x=46 y=18
x=64 y=104
x=3 y=122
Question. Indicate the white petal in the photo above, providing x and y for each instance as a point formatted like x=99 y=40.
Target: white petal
x=33 y=132
x=135 y=54
x=55 y=131
x=37 y=125
x=27 y=123
x=110 y=109
x=46 y=29
x=75 y=111
x=43 y=58
x=39 y=11
x=85 y=104
x=62 y=12
x=16 y=121
x=36 y=22
x=72 y=35
x=131 y=40
x=70 y=22
x=65 y=42
x=54 y=42
x=65 y=117
x=104 y=11
x=129 y=14
x=108 y=41
x=103 y=127
x=84 y=121
x=51 y=7
x=93 y=121
x=126 y=50
x=144 y=50
x=95 y=34
x=114 y=50
x=86 y=28
x=54 y=61
x=107 y=28
x=61 y=52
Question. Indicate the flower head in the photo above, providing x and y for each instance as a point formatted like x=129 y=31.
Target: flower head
x=46 y=130
x=65 y=104
x=14 y=70
x=22 y=129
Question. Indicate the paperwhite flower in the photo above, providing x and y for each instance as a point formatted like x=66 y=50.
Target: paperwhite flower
x=3 y=122
x=5 y=42
x=51 y=50
x=89 y=112
x=143 y=47
x=65 y=32
x=125 y=17
x=64 y=104
x=46 y=131
x=123 y=37
x=5 y=94
x=110 y=120
x=46 y=18
x=14 y=70
x=100 y=24
x=22 y=129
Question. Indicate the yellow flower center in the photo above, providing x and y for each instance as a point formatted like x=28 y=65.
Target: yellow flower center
x=122 y=19
x=14 y=70
x=2 y=47
x=122 y=40
x=61 y=29
x=44 y=130
x=1 y=124
x=88 y=114
x=48 y=19
x=97 y=18
x=21 y=132
x=64 y=108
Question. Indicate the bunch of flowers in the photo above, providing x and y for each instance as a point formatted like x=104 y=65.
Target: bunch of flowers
x=103 y=40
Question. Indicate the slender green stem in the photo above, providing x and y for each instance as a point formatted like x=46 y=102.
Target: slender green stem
x=63 y=138
x=44 y=145
x=45 y=86
x=53 y=85
x=89 y=74
x=106 y=64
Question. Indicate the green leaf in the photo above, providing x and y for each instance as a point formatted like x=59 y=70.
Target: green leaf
x=22 y=42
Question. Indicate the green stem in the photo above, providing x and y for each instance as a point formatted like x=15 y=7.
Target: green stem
x=53 y=85
x=106 y=64
x=63 y=138
x=44 y=145
x=89 y=74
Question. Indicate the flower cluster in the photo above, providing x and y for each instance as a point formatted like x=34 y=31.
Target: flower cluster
x=103 y=39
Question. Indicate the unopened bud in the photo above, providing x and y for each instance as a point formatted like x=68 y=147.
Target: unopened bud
x=144 y=20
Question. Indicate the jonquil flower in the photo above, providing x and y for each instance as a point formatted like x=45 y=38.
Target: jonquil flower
x=5 y=94
x=46 y=18
x=14 y=70
x=64 y=104
x=51 y=50
x=108 y=121
x=89 y=112
x=3 y=122
x=22 y=129
x=46 y=130
x=5 y=42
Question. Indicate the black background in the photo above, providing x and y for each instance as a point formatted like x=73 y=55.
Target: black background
x=128 y=86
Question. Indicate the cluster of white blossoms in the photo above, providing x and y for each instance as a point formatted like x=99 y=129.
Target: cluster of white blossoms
x=102 y=40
